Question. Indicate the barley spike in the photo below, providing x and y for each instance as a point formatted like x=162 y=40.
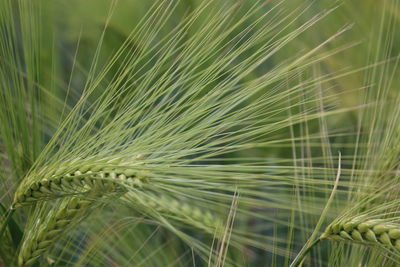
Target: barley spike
x=202 y=219
x=78 y=182
x=34 y=245
x=369 y=232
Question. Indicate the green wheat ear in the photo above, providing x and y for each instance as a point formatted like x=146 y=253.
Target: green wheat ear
x=7 y=249
x=63 y=217
x=107 y=176
x=183 y=211
x=368 y=232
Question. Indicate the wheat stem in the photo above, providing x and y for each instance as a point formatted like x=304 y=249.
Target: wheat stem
x=313 y=240
x=300 y=257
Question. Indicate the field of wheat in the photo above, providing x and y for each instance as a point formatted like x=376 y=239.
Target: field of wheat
x=199 y=133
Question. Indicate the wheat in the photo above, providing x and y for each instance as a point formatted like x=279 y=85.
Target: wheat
x=180 y=210
x=47 y=232
x=71 y=211
x=369 y=232
x=80 y=181
x=7 y=250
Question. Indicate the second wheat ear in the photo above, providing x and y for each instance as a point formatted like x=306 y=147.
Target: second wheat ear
x=71 y=211
x=367 y=232
x=181 y=210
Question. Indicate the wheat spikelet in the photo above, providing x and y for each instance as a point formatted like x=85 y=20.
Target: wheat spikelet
x=368 y=232
x=47 y=232
x=84 y=179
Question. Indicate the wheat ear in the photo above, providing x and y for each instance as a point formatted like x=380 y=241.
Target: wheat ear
x=80 y=175
x=7 y=250
x=368 y=232
x=180 y=210
x=70 y=212
x=80 y=181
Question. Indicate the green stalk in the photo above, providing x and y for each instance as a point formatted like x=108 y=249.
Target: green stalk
x=313 y=240
x=300 y=257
